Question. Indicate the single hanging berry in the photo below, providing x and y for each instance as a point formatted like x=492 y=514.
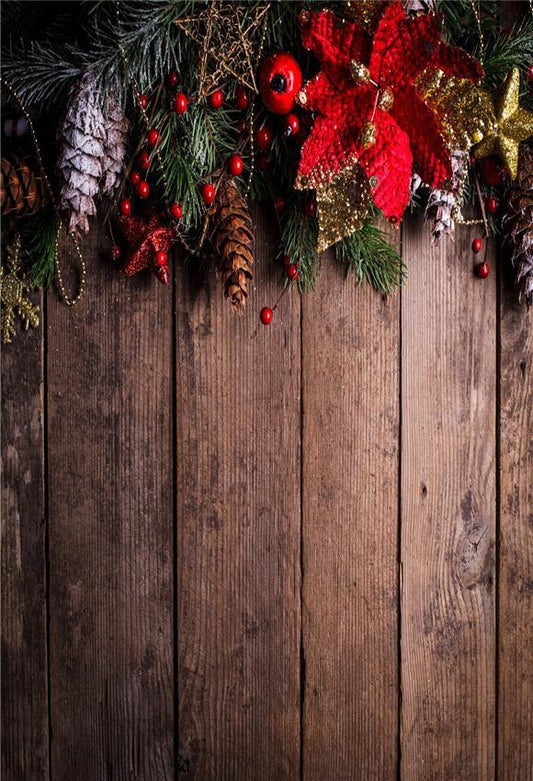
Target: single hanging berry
x=263 y=137
x=208 y=193
x=241 y=98
x=125 y=207
x=216 y=98
x=477 y=245
x=153 y=137
x=172 y=79
x=143 y=161
x=292 y=272
x=235 y=165
x=482 y=270
x=266 y=315
x=143 y=190
x=280 y=80
x=177 y=211
x=143 y=101
x=492 y=205
x=135 y=178
x=180 y=103
x=291 y=126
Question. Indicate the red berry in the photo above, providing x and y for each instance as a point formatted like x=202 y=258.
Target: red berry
x=172 y=79
x=208 y=194
x=153 y=137
x=280 y=80
x=135 y=177
x=286 y=261
x=241 y=98
x=291 y=125
x=310 y=208
x=235 y=165
x=116 y=252
x=263 y=161
x=241 y=126
x=161 y=257
x=280 y=203
x=125 y=207
x=143 y=189
x=177 y=211
x=492 y=205
x=482 y=270
x=216 y=98
x=476 y=245
x=180 y=103
x=143 y=101
x=263 y=137
x=143 y=161
x=292 y=272
x=266 y=315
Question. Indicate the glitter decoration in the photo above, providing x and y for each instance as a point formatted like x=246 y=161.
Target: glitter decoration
x=13 y=295
x=386 y=99
x=368 y=135
x=366 y=12
x=359 y=72
x=513 y=125
x=342 y=206
x=146 y=238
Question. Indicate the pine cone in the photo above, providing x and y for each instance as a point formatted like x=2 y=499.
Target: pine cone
x=442 y=206
x=22 y=189
x=81 y=156
x=416 y=7
x=232 y=239
x=518 y=224
x=115 y=146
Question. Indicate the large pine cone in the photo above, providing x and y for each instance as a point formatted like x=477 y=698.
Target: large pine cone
x=232 y=239
x=518 y=224
x=22 y=189
x=115 y=146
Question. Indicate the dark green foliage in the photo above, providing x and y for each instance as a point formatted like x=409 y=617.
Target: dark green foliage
x=369 y=255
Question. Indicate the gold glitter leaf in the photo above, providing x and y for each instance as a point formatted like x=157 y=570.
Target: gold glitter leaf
x=343 y=206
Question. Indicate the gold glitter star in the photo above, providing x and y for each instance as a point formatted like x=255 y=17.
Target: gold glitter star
x=343 y=205
x=13 y=290
x=513 y=124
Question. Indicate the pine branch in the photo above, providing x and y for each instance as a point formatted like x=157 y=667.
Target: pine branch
x=38 y=234
x=299 y=235
x=369 y=255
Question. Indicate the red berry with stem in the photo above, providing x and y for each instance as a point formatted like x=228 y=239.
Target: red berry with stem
x=477 y=245
x=241 y=98
x=154 y=137
x=143 y=189
x=143 y=161
x=280 y=203
x=172 y=79
x=266 y=315
x=492 y=205
x=208 y=194
x=482 y=270
x=291 y=125
x=216 y=98
x=143 y=101
x=235 y=165
x=177 y=211
x=180 y=103
x=292 y=272
x=125 y=207
x=280 y=80
x=135 y=178
x=263 y=137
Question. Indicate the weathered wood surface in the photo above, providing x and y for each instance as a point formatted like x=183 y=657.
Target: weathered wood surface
x=221 y=511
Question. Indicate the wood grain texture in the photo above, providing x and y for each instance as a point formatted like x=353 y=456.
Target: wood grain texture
x=447 y=511
x=111 y=527
x=23 y=572
x=238 y=487
x=516 y=542
x=350 y=522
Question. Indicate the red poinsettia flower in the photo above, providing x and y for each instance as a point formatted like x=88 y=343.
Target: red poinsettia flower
x=400 y=50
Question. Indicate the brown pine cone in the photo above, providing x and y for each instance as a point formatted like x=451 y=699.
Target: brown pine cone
x=232 y=240
x=22 y=189
x=518 y=224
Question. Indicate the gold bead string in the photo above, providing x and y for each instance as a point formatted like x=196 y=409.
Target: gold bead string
x=68 y=300
x=477 y=14
x=252 y=113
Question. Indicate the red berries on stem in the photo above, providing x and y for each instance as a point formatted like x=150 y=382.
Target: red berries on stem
x=208 y=193
x=292 y=272
x=143 y=189
x=125 y=207
x=176 y=211
x=143 y=161
x=216 y=98
x=241 y=98
x=143 y=101
x=492 y=205
x=477 y=244
x=154 y=137
x=263 y=137
x=266 y=315
x=235 y=165
x=180 y=103
x=483 y=270
x=135 y=178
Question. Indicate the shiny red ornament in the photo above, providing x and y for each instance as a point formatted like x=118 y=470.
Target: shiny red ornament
x=180 y=103
x=263 y=137
x=125 y=207
x=291 y=125
x=154 y=137
x=176 y=211
x=482 y=270
x=143 y=101
x=143 y=161
x=146 y=238
x=208 y=194
x=292 y=272
x=477 y=244
x=172 y=79
x=492 y=205
x=266 y=315
x=280 y=203
x=143 y=190
x=135 y=178
x=280 y=79
x=216 y=98
x=235 y=165
x=241 y=98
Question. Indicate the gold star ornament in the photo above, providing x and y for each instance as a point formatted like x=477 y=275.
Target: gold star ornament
x=513 y=125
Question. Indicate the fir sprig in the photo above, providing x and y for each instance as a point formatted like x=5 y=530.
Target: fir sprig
x=299 y=235
x=369 y=255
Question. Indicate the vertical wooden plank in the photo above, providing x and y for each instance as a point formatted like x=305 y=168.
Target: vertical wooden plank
x=238 y=472
x=350 y=523
x=516 y=542
x=111 y=526
x=447 y=511
x=24 y=659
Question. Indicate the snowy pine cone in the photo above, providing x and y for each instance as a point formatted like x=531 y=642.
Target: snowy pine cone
x=442 y=207
x=115 y=145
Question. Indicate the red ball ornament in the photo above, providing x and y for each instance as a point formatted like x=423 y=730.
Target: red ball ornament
x=143 y=189
x=143 y=102
x=153 y=137
x=125 y=207
x=477 y=245
x=172 y=79
x=180 y=103
x=177 y=211
x=208 y=194
x=263 y=161
x=492 y=205
x=216 y=98
x=280 y=80
x=235 y=165
x=143 y=161
x=310 y=208
x=266 y=315
x=161 y=258
x=263 y=137
x=280 y=203
x=135 y=178
x=482 y=270
x=241 y=98
x=291 y=125
x=292 y=272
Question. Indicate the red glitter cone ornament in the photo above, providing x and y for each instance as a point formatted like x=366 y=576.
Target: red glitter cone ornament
x=146 y=238
x=368 y=111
